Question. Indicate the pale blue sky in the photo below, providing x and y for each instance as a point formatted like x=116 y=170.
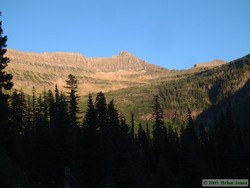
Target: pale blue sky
x=174 y=34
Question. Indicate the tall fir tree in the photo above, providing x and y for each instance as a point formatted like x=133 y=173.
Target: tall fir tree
x=5 y=78
x=158 y=128
x=5 y=84
x=18 y=112
x=190 y=162
x=72 y=84
x=101 y=109
x=88 y=154
x=132 y=130
x=90 y=118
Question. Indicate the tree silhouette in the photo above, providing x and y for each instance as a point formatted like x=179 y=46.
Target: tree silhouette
x=101 y=109
x=158 y=131
x=5 y=84
x=72 y=84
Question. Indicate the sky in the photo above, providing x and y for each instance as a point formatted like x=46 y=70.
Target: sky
x=174 y=34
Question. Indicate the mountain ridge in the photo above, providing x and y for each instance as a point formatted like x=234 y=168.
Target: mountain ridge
x=44 y=70
x=71 y=59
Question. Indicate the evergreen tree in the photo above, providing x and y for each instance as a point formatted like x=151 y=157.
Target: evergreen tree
x=190 y=163
x=113 y=116
x=89 y=166
x=34 y=107
x=144 y=156
x=61 y=138
x=124 y=173
x=72 y=84
x=51 y=107
x=5 y=84
x=132 y=130
x=18 y=109
x=90 y=118
x=158 y=130
x=101 y=109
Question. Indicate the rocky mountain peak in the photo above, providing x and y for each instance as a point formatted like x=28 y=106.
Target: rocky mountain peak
x=125 y=53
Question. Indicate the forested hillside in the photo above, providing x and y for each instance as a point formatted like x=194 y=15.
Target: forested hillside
x=209 y=88
x=197 y=89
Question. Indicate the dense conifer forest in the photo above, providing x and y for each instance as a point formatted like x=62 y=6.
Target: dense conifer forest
x=46 y=141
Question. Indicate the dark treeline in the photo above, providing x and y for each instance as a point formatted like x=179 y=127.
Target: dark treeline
x=46 y=142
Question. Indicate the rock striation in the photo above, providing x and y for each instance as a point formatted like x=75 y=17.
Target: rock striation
x=44 y=70
x=124 y=61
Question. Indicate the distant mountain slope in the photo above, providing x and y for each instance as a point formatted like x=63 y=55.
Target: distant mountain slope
x=206 y=88
x=94 y=74
x=202 y=91
x=213 y=63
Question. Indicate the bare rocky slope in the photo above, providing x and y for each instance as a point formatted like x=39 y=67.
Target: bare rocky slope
x=45 y=70
x=94 y=74
x=214 y=63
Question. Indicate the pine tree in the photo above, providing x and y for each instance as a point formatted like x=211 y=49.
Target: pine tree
x=158 y=131
x=34 y=106
x=190 y=162
x=88 y=154
x=61 y=137
x=72 y=84
x=124 y=173
x=144 y=157
x=18 y=108
x=51 y=107
x=101 y=109
x=5 y=84
x=132 y=130
x=90 y=118
x=113 y=116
